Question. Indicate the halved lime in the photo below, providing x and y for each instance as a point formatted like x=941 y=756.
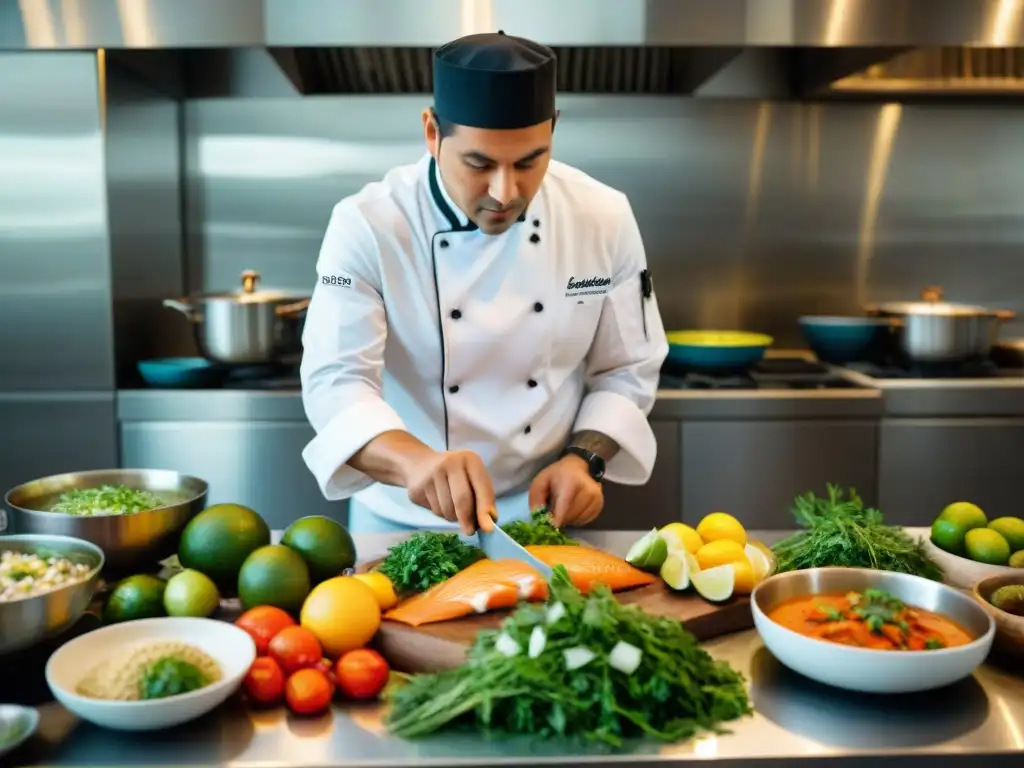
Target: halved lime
x=675 y=572
x=715 y=584
x=649 y=552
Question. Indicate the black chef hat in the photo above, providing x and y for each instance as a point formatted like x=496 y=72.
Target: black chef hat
x=494 y=81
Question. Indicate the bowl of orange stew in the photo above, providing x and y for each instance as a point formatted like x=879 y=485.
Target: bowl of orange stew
x=871 y=631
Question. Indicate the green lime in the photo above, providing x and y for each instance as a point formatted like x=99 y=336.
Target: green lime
x=1011 y=529
x=218 y=539
x=1017 y=559
x=274 y=575
x=967 y=514
x=984 y=545
x=949 y=535
x=191 y=593
x=1009 y=598
x=324 y=544
x=649 y=552
x=136 y=597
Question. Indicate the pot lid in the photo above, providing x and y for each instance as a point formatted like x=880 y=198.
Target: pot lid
x=248 y=294
x=931 y=303
x=934 y=308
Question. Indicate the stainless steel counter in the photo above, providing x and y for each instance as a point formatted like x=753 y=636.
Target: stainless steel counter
x=979 y=722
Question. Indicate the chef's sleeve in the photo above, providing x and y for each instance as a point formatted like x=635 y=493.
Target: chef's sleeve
x=624 y=361
x=343 y=355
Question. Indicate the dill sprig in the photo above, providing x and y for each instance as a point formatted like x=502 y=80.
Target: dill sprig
x=843 y=532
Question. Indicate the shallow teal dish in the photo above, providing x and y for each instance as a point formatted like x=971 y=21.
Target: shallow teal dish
x=17 y=724
x=716 y=350
x=181 y=372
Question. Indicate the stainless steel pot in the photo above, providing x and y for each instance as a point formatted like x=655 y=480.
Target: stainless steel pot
x=248 y=326
x=934 y=331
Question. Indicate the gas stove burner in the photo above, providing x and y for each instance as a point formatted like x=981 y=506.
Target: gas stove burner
x=981 y=369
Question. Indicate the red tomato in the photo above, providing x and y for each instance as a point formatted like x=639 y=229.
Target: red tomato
x=308 y=691
x=264 y=683
x=295 y=648
x=361 y=674
x=262 y=623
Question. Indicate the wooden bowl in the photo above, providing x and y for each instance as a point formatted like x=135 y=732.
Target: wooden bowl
x=960 y=572
x=1009 y=628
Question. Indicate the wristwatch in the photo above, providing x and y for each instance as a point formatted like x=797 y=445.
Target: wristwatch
x=595 y=464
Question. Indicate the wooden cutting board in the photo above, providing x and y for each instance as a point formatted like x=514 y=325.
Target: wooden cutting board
x=434 y=647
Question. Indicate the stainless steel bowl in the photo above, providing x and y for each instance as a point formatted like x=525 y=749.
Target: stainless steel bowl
x=863 y=669
x=130 y=541
x=26 y=621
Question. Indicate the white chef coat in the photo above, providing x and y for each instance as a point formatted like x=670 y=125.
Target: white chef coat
x=503 y=345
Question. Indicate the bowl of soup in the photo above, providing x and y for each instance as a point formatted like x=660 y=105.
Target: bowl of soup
x=871 y=631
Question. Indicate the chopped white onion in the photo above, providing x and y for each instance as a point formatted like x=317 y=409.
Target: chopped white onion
x=625 y=657
x=578 y=657
x=538 y=639
x=506 y=646
x=555 y=612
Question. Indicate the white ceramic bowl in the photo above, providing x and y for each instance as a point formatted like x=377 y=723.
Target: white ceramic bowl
x=960 y=572
x=863 y=669
x=232 y=648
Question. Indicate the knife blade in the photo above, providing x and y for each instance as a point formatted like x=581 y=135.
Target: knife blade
x=498 y=545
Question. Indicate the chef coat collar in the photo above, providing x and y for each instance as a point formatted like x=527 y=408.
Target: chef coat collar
x=457 y=220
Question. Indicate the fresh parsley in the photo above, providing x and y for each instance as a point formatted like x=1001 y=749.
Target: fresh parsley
x=425 y=559
x=843 y=532
x=538 y=531
x=573 y=686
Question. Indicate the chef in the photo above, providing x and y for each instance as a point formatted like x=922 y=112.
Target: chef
x=483 y=338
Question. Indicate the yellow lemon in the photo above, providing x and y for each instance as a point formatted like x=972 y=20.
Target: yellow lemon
x=762 y=561
x=382 y=588
x=719 y=526
x=343 y=613
x=681 y=537
x=745 y=580
x=721 y=552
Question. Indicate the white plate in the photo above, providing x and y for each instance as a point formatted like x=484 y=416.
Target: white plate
x=232 y=648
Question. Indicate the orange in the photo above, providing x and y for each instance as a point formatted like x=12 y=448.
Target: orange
x=343 y=613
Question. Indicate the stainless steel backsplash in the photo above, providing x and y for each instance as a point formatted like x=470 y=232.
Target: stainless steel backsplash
x=752 y=213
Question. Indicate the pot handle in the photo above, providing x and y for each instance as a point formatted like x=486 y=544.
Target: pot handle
x=183 y=306
x=296 y=309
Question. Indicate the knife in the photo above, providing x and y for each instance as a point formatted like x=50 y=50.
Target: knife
x=498 y=545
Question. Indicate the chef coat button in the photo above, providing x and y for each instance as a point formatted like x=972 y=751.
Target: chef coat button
x=534 y=238
x=456 y=314
x=531 y=383
x=527 y=430
x=536 y=222
x=444 y=243
x=538 y=307
x=453 y=388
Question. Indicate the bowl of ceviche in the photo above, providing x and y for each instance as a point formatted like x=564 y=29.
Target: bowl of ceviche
x=871 y=631
x=134 y=515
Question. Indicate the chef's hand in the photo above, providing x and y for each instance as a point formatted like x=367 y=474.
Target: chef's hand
x=570 y=494
x=454 y=485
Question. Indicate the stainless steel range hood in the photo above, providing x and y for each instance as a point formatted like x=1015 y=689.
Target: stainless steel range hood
x=701 y=47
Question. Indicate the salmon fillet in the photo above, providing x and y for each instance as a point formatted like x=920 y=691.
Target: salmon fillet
x=587 y=566
x=486 y=585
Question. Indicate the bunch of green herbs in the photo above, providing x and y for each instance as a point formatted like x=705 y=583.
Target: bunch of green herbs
x=676 y=691
x=843 y=532
x=538 y=530
x=106 y=500
x=425 y=559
